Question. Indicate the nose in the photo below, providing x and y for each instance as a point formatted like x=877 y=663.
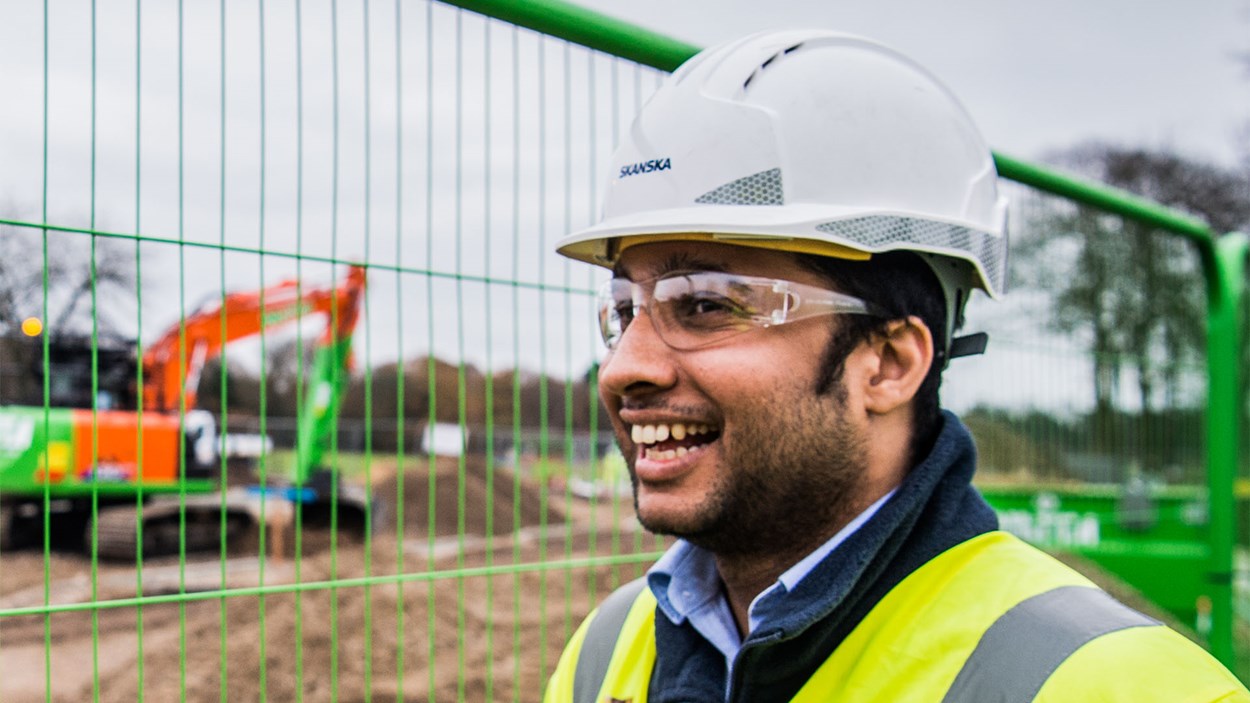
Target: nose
x=641 y=363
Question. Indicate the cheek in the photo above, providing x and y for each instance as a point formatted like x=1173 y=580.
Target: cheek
x=773 y=359
x=748 y=388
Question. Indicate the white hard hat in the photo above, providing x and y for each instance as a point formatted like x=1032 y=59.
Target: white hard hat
x=808 y=141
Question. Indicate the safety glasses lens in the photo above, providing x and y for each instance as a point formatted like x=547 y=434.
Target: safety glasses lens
x=688 y=310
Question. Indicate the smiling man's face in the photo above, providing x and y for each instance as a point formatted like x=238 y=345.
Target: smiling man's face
x=730 y=445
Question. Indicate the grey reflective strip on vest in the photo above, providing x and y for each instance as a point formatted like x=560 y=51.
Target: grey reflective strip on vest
x=600 y=642
x=1027 y=643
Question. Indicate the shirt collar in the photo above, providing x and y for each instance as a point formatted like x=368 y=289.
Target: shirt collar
x=685 y=579
x=791 y=577
x=771 y=599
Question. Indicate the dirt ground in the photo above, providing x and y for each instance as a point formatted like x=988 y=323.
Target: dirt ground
x=493 y=633
x=475 y=618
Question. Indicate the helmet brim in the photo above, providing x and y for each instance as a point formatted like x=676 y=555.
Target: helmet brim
x=820 y=230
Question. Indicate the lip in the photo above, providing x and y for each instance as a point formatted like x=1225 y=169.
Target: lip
x=644 y=417
x=660 y=471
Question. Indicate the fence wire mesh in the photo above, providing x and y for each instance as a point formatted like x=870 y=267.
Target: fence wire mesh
x=186 y=159
x=168 y=164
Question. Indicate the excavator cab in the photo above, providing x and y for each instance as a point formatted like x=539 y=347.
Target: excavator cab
x=79 y=372
x=141 y=465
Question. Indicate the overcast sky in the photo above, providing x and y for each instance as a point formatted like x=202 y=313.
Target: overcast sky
x=502 y=140
x=1035 y=75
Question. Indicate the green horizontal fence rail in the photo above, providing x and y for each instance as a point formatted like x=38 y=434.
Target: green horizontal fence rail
x=591 y=29
x=370 y=132
x=1223 y=256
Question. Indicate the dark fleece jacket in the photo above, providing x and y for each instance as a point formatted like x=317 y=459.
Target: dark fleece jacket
x=934 y=509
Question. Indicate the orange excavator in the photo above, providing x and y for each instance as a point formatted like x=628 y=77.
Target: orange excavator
x=148 y=479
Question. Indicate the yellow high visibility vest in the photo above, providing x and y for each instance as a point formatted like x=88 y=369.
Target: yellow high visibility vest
x=976 y=623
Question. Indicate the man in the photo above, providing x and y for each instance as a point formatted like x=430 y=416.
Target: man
x=794 y=226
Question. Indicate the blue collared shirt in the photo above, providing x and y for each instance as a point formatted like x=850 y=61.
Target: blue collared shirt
x=688 y=587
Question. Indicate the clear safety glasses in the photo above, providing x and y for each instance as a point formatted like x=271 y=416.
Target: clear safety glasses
x=694 y=310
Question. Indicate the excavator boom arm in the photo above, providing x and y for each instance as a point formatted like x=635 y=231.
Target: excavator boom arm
x=172 y=364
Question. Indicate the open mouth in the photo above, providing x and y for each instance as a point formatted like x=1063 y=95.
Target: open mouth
x=666 y=441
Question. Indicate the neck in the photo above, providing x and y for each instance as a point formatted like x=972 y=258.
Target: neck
x=745 y=575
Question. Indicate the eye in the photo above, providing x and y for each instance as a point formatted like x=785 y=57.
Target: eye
x=707 y=304
x=624 y=313
x=707 y=310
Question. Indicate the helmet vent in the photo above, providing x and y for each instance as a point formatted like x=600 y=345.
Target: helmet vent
x=763 y=188
x=767 y=63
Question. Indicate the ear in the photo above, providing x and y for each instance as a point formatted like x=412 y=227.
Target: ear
x=903 y=354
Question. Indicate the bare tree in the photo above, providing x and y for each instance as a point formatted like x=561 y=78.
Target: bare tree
x=84 y=288
x=1135 y=296
x=23 y=271
x=55 y=274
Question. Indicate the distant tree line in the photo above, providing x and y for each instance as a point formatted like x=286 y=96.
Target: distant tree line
x=395 y=395
x=1167 y=445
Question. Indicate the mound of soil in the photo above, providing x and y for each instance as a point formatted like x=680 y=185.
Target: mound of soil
x=468 y=496
x=433 y=634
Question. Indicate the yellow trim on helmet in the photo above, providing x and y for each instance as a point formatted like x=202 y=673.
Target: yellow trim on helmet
x=758 y=241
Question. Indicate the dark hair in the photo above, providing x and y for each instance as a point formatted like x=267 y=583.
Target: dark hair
x=901 y=284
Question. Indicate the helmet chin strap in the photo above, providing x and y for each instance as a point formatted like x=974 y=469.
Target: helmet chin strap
x=968 y=345
x=956 y=289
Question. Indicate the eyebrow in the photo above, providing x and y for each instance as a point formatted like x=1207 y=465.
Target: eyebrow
x=680 y=261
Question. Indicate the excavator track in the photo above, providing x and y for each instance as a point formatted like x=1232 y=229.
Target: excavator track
x=164 y=520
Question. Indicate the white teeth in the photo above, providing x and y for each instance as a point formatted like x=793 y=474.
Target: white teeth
x=654 y=454
x=650 y=434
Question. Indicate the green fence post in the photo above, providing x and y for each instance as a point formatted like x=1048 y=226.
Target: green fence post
x=1226 y=277
x=1224 y=261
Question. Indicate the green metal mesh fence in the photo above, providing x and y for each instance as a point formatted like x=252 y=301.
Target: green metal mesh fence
x=181 y=161
x=170 y=165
